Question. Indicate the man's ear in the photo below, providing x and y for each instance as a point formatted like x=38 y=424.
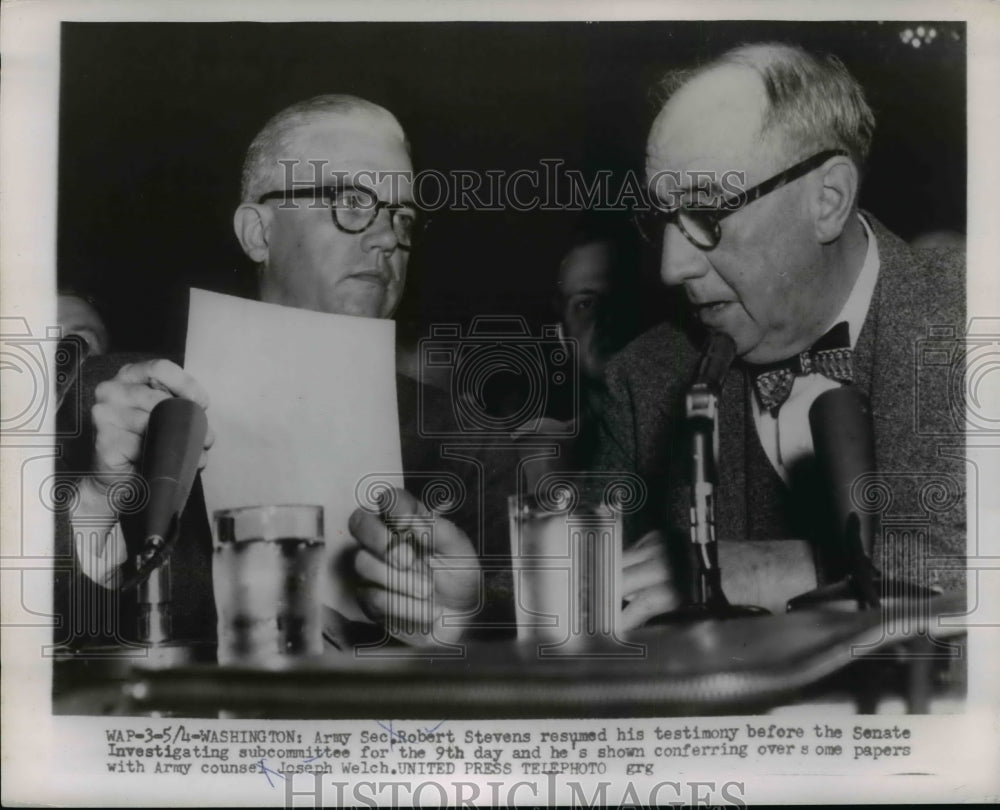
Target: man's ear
x=252 y=224
x=835 y=198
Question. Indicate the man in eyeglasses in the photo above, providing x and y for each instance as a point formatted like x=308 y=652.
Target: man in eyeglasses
x=350 y=263
x=327 y=216
x=754 y=165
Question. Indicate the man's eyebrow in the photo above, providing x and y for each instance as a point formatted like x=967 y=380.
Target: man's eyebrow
x=690 y=191
x=712 y=186
x=407 y=201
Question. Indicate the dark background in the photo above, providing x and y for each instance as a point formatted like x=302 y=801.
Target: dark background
x=155 y=119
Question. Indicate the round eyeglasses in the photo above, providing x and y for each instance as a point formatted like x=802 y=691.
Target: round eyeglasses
x=354 y=209
x=701 y=224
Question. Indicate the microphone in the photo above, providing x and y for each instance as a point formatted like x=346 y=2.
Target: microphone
x=718 y=356
x=844 y=442
x=701 y=405
x=706 y=599
x=171 y=450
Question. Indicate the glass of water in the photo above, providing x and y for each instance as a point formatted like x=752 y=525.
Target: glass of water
x=566 y=549
x=265 y=575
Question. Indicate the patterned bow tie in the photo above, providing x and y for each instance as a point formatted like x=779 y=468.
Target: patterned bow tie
x=830 y=356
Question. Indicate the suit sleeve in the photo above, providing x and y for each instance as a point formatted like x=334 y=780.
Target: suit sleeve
x=617 y=447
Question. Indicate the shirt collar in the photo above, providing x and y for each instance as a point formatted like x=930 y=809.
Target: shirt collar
x=859 y=301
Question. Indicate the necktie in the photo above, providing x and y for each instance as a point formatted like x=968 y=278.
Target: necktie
x=830 y=356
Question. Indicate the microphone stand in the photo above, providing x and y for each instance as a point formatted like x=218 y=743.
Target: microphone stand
x=864 y=587
x=171 y=448
x=844 y=441
x=707 y=599
x=843 y=438
x=155 y=606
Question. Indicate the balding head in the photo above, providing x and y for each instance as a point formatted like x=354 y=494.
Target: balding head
x=809 y=102
x=261 y=170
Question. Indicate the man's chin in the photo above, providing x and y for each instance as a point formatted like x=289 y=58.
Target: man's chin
x=759 y=354
x=743 y=332
x=370 y=305
x=370 y=300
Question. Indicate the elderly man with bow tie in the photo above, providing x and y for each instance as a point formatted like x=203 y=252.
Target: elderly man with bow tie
x=815 y=294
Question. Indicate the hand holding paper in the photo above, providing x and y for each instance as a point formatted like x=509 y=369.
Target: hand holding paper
x=420 y=571
x=303 y=407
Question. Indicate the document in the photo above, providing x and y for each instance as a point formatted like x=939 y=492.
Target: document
x=303 y=407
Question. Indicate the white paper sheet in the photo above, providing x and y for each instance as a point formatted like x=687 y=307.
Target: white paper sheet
x=303 y=406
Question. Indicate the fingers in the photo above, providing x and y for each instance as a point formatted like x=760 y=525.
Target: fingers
x=165 y=376
x=413 y=558
x=413 y=564
x=638 y=556
x=385 y=539
x=405 y=521
x=418 y=622
x=645 y=565
x=649 y=575
x=397 y=610
x=450 y=542
x=403 y=506
x=414 y=581
x=123 y=404
x=122 y=416
x=648 y=603
x=117 y=437
x=650 y=540
x=647 y=582
x=118 y=394
x=370 y=532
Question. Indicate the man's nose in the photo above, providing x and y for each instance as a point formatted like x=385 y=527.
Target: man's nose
x=380 y=233
x=679 y=259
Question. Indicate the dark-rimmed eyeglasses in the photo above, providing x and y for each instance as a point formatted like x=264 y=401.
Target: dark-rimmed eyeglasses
x=701 y=224
x=354 y=209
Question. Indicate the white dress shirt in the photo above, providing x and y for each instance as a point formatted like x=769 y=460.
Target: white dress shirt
x=787 y=438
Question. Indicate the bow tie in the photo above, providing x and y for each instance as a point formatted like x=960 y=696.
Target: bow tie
x=830 y=356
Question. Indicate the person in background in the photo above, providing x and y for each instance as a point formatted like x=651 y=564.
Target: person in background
x=596 y=296
x=82 y=335
x=596 y=301
x=80 y=315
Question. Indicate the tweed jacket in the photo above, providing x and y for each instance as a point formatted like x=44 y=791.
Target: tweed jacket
x=922 y=494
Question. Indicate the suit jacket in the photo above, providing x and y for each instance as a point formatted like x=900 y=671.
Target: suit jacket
x=487 y=475
x=923 y=477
